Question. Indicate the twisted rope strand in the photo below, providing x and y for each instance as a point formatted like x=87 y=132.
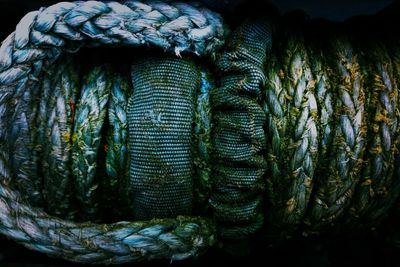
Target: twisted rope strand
x=379 y=161
x=326 y=97
x=117 y=140
x=294 y=158
x=176 y=27
x=21 y=139
x=112 y=243
x=337 y=187
x=89 y=119
x=59 y=93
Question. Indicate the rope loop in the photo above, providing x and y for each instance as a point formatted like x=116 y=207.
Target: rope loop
x=40 y=38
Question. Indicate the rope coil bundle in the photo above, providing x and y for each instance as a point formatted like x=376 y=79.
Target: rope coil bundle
x=353 y=83
x=284 y=142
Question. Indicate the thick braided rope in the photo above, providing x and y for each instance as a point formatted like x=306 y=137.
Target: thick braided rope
x=332 y=196
x=90 y=117
x=325 y=96
x=294 y=147
x=40 y=34
x=394 y=72
x=59 y=91
x=38 y=41
x=377 y=175
x=117 y=140
x=21 y=137
x=113 y=243
x=392 y=195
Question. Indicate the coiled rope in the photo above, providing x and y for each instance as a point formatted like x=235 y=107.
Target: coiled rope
x=291 y=106
x=336 y=94
x=315 y=128
x=39 y=40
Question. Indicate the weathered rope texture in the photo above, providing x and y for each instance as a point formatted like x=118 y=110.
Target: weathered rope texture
x=332 y=132
x=39 y=40
x=310 y=129
x=59 y=92
x=112 y=243
x=20 y=136
x=117 y=157
x=160 y=116
x=292 y=122
x=333 y=196
x=238 y=134
x=90 y=117
x=373 y=190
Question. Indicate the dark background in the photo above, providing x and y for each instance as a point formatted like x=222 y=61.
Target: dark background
x=334 y=10
x=367 y=249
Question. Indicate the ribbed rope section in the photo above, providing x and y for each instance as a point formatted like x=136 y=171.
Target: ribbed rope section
x=39 y=40
x=160 y=117
x=101 y=244
x=238 y=136
x=39 y=36
x=336 y=187
x=292 y=118
x=117 y=157
x=59 y=93
x=89 y=120
x=373 y=190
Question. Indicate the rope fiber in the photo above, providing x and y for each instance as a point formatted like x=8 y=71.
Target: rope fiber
x=202 y=137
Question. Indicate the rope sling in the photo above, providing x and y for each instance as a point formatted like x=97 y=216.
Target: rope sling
x=275 y=132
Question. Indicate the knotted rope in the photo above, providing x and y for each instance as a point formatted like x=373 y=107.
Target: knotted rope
x=39 y=40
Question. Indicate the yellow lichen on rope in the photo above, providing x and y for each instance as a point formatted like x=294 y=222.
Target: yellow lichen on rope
x=59 y=92
x=293 y=118
x=378 y=168
x=335 y=189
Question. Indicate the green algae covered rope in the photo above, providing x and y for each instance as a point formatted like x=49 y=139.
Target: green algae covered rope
x=117 y=140
x=333 y=195
x=21 y=140
x=326 y=95
x=90 y=116
x=39 y=40
x=372 y=191
x=292 y=123
x=57 y=108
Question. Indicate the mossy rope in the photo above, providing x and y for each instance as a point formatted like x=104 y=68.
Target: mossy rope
x=40 y=38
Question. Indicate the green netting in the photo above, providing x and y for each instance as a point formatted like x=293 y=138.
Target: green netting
x=160 y=117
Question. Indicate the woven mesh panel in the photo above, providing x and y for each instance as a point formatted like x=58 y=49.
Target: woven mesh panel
x=238 y=134
x=160 y=115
